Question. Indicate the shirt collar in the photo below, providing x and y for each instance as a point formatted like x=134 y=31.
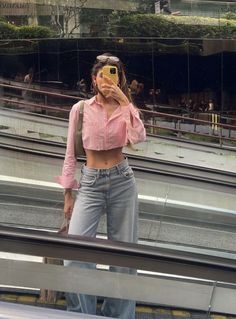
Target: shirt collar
x=93 y=101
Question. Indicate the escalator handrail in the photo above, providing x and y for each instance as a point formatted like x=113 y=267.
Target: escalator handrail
x=190 y=264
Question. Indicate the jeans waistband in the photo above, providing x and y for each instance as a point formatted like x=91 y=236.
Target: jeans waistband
x=105 y=171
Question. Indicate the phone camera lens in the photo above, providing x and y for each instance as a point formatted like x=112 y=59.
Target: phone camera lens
x=113 y=70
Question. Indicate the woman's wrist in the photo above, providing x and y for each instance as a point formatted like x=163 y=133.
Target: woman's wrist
x=67 y=191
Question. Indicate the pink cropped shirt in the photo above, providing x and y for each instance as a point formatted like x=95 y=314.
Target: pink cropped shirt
x=100 y=133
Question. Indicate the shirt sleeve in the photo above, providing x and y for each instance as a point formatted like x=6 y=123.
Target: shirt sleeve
x=67 y=179
x=135 y=129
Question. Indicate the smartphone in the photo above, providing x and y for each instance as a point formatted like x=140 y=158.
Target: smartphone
x=111 y=72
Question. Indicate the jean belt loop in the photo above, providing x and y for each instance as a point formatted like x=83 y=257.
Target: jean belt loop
x=118 y=169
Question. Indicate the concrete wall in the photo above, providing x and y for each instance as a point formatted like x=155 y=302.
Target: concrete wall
x=42 y=7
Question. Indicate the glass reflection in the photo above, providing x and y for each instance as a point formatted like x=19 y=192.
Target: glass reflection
x=46 y=77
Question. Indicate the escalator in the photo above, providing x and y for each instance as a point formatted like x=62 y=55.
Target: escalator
x=186 y=252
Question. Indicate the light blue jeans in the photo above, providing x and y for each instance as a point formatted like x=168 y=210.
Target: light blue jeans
x=114 y=191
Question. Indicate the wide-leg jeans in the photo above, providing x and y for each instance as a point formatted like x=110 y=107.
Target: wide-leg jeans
x=114 y=191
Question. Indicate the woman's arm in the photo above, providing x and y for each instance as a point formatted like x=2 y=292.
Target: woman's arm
x=68 y=202
x=67 y=179
x=135 y=129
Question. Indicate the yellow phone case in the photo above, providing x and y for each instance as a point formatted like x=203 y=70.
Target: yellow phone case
x=111 y=72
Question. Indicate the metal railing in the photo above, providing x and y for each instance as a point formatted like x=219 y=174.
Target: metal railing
x=215 y=127
x=40 y=243
x=178 y=120
x=210 y=276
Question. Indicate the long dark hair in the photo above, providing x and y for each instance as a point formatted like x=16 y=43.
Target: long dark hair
x=121 y=72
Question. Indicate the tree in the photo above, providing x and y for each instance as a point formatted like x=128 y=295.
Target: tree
x=66 y=17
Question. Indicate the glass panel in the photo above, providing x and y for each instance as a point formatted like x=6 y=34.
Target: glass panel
x=170 y=62
x=229 y=81
x=173 y=69
x=206 y=76
x=158 y=291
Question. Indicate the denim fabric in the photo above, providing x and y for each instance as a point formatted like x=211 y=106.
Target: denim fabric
x=113 y=191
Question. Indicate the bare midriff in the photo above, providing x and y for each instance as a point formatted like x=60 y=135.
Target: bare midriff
x=104 y=159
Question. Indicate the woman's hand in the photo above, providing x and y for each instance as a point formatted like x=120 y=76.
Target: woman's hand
x=111 y=90
x=68 y=204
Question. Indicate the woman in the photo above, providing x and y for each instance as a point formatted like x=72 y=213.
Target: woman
x=107 y=182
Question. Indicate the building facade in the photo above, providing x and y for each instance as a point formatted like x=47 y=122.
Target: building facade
x=63 y=15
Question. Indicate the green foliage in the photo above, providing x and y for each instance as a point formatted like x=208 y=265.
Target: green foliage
x=162 y=26
x=34 y=32
x=9 y=31
x=230 y=16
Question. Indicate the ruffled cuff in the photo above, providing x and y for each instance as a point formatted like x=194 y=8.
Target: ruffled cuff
x=66 y=182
